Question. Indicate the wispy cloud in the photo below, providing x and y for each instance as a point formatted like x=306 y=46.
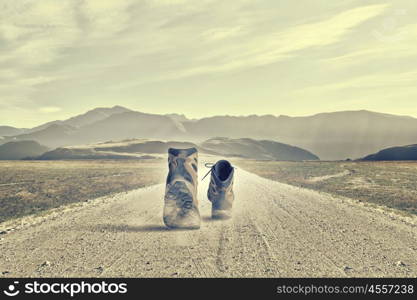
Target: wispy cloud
x=49 y=109
x=252 y=50
x=270 y=48
x=398 y=44
x=375 y=81
x=223 y=33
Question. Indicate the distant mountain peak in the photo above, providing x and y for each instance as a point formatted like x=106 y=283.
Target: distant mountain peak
x=89 y=117
x=8 y=131
x=360 y=112
x=120 y=107
x=108 y=110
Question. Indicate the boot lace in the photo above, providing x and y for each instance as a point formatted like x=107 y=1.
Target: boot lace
x=187 y=204
x=210 y=166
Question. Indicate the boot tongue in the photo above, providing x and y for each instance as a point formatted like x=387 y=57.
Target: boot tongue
x=223 y=183
x=182 y=152
x=223 y=173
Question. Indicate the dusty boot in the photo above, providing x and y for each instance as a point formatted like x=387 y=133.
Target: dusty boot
x=181 y=205
x=220 y=191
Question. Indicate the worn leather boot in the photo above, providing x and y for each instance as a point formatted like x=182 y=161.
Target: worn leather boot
x=220 y=191
x=181 y=204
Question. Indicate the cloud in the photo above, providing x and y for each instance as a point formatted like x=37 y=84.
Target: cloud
x=400 y=43
x=170 y=2
x=39 y=33
x=33 y=81
x=223 y=33
x=258 y=50
x=106 y=18
x=373 y=84
x=49 y=109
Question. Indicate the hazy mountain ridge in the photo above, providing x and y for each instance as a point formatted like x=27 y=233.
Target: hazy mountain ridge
x=394 y=153
x=87 y=118
x=145 y=146
x=336 y=135
x=254 y=149
x=21 y=149
x=245 y=148
x=116 y=126
x=130 y=125
x=52 y=136
x=10 y=131
x=85 y=153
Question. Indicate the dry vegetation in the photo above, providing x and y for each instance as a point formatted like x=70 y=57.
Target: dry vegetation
x=392 y=184
x=28 y=187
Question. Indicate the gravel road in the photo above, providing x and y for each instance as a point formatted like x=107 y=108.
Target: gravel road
x=277 y=231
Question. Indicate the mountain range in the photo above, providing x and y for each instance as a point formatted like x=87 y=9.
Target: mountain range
x=394 y=153
x=8 y=130
x=142 y=148
x=21 y=149
x=331 y=136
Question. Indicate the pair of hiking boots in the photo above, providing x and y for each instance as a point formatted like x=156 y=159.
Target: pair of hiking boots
x=181 y=203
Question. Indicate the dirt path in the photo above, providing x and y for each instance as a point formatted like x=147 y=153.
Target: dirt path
x=277 y=230
x=327 y=177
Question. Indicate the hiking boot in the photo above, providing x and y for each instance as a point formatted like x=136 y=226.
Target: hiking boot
x=181 y=205
x=220 y=191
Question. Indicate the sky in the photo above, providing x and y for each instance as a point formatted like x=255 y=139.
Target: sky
x=207 y=57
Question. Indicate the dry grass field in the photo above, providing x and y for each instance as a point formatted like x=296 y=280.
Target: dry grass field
x=392 y=184
x=28 y=187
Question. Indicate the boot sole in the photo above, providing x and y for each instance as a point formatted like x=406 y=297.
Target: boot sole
x=221 y=214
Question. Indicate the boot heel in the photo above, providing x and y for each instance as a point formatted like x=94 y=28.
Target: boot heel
x=221 y=214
